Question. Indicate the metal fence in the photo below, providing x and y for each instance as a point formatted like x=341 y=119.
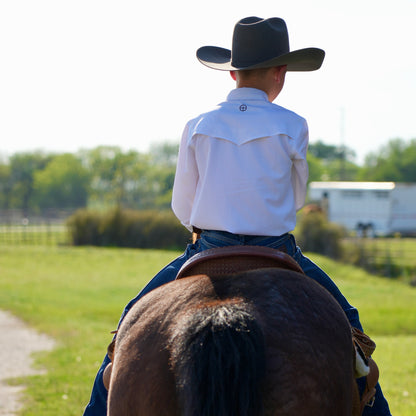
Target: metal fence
x=44 y=228
x=389 y=257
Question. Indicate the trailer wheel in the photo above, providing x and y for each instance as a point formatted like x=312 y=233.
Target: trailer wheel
x=365 y=229
x=370 y=230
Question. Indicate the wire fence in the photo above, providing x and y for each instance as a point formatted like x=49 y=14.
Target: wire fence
x=34 y=235
x=46 y=228
x=389 y=257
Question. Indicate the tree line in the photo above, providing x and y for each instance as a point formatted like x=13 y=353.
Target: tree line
x=394 y=162
x=107 y=176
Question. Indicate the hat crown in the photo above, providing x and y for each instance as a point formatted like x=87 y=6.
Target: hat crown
x=256 y=40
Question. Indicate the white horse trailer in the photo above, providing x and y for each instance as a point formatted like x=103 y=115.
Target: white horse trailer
x=378 y=208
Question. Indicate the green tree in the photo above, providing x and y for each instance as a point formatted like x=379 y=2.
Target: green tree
x=394 y=162
x=331 y=152
x=5 y=186
x=22 y=171
x=164 y=154
x=163 y=159
x=331 y=163
x=118 y=179
x=64 y=183
x=316 y=168
x=341 y=170
x=131 y=179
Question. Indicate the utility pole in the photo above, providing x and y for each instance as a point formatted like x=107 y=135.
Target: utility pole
x=342 y=146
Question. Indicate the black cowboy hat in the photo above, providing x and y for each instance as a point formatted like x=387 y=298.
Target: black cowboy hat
x=260 y=43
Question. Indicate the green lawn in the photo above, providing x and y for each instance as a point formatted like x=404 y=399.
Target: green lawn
x=76 y=295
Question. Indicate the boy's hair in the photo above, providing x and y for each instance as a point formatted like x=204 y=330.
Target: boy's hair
x=251 y=73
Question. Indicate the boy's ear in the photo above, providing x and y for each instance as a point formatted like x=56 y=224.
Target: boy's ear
x=232 y=73
x=280 y=72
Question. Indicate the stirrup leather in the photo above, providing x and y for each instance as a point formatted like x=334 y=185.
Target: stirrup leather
x=365 y=366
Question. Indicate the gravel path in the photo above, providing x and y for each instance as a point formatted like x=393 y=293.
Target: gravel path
x=17 y=343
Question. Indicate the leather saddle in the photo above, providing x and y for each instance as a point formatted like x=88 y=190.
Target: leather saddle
x=226 y=260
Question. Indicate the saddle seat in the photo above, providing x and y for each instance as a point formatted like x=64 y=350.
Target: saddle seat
x=227 y=260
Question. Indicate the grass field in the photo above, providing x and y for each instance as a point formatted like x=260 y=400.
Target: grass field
x=76 y=295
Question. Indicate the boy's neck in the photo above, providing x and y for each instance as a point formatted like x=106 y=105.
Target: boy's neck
x=269 y=80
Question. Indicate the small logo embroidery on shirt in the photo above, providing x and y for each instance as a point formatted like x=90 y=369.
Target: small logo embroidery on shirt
x=243 y=107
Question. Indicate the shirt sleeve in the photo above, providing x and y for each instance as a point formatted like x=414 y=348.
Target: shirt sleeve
x=186 y=180
x=300 y=167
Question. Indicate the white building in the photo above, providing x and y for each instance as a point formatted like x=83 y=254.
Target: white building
x=377 y=207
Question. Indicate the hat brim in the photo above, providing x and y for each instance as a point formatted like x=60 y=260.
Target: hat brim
x=308 y=59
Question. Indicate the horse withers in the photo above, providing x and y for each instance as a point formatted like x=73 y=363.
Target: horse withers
x=256 y=343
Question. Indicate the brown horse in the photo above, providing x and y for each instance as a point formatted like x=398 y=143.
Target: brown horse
x=262 y=342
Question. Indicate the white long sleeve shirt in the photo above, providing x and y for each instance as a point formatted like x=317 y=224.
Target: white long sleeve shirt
x=242 y=167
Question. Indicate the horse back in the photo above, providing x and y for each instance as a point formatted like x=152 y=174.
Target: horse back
x=306 y=344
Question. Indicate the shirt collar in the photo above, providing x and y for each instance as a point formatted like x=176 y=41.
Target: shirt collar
x=239 y=94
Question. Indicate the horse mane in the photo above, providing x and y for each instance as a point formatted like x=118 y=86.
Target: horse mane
x=218 y=357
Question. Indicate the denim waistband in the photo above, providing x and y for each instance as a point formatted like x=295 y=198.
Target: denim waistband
x=212 y=238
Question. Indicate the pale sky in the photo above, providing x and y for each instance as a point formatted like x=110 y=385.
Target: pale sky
x=81 y=73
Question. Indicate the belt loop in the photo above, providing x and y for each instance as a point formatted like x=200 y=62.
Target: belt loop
x=292 y=244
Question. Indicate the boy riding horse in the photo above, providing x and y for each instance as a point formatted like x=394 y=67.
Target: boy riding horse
x=242 y=171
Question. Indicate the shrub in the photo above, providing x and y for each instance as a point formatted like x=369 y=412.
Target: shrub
x=84 y=227
x=127 y=228
x=315 y=234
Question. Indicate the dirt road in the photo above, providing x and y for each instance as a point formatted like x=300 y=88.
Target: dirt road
x=17 y=343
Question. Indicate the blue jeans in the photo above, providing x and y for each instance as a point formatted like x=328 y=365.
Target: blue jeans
x=211 y=239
